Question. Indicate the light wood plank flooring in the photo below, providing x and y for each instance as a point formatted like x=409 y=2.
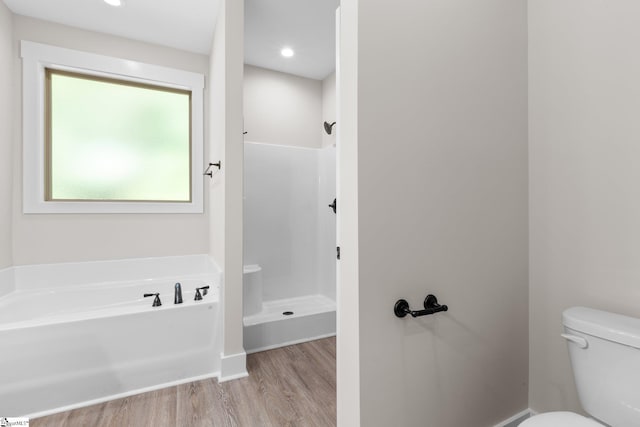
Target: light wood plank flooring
x=289 y=386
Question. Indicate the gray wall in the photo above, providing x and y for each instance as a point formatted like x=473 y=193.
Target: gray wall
x=584 y=109
x=6 y=133
x=329 y=108
x=225 y=188
x=281 y=108
x=46 y=238
x=442 y=207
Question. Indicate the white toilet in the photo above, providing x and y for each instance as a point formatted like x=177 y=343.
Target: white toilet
x=604 y=349
x=252 y=289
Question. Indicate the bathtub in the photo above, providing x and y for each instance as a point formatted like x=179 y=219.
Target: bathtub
x=72 y=346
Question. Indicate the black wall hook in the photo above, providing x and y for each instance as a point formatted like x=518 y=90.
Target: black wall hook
x=209 y=172
x=431 y=306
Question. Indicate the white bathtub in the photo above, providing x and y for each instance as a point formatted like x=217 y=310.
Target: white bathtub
x=66 y=347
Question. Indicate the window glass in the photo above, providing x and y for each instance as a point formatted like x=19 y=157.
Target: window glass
x=111 y=140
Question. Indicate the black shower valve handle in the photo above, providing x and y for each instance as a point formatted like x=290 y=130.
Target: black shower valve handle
x=334 y=205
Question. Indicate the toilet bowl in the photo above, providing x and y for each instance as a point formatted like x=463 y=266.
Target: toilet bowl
x=604 y=350
x=252 y=289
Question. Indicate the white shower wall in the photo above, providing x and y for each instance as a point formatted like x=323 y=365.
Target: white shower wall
x=326 y=222
x=289 y=228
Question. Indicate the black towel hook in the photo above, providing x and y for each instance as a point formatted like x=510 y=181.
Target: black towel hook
x=209 y=172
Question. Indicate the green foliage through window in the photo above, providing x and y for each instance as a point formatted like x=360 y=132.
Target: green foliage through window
x=110 y=140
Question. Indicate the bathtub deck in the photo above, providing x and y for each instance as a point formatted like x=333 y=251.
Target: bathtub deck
x=293 y=385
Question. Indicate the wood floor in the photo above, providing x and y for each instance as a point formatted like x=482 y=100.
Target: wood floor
x=289 y=386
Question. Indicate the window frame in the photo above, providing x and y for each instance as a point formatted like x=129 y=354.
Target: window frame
x=49 y=72
x=36 y=59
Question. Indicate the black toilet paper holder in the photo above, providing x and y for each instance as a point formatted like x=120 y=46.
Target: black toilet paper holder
x=431 y=306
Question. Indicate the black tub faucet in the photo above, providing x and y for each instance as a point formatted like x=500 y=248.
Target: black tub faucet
x=177 y=298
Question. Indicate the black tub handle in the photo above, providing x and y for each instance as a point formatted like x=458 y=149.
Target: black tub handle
x=198 y=296
x=156 y=300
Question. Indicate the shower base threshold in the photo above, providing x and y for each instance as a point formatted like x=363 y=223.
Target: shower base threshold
x=290 y=321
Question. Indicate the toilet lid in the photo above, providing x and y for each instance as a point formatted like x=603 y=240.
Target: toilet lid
x=557 y=419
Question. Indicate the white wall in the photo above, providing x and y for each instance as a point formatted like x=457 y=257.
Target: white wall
x=329 y=108
x=288 y=187
x=288 y=228
x=441 y=196
x=347 y=269
x=216 y=142
x=584 y=106
x=280 y=218
x=226 y=144
x=281 y=108
x=6 y=132
x=326 y=228
x=60 y=238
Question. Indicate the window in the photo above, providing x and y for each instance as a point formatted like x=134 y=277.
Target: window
x=109 y=135
x=108 y=139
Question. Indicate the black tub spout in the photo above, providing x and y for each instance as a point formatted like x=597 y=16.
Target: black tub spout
x=177 y=298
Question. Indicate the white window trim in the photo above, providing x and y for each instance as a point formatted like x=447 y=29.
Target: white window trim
x=35 y=58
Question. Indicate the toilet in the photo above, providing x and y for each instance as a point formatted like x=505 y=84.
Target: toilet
x=252 y=289
x=604 y=349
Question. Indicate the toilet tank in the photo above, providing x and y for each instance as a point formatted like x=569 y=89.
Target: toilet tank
x=604 y=349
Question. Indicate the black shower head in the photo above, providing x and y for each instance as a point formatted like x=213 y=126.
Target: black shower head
x=328 y=127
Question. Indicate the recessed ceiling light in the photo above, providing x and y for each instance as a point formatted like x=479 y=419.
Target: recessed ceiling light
x=287 y=52
x=114 y=3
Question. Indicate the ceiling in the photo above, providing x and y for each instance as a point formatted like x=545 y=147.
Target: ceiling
x=183 y=24
x=307 y=26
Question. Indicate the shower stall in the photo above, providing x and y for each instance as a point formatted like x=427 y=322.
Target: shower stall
x=290 y=109
x=289 y=245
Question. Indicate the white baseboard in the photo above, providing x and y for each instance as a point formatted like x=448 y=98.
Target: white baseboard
x=233 y=366
x=516 y=419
